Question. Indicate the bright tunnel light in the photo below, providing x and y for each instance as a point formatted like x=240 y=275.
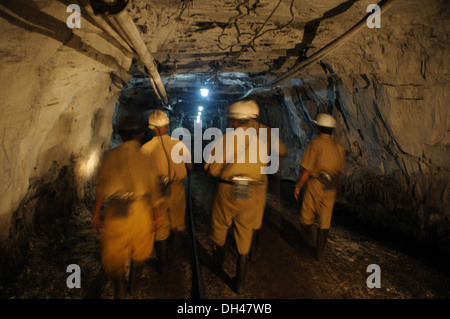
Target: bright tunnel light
x=200 y=108
x=204 y=92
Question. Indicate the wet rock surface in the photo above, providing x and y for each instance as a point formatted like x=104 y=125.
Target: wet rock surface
x=286 y=269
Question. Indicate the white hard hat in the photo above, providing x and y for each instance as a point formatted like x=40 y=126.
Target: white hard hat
x=325 y=120
x=157 y=118
x=243 y=110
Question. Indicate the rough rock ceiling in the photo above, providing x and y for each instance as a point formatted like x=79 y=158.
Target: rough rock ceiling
x=247 y=36
x=231 y=44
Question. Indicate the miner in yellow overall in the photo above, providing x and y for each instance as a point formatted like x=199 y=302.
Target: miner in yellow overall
x=171 y=174
x=241 y=192
x=126 y=180
x=255 y=251
x=323 y=160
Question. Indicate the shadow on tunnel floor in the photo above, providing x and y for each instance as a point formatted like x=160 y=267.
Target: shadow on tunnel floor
x=425 y=252
x=428 y=253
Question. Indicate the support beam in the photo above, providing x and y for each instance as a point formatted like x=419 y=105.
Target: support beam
x=117 y=14
x=128 y=26
x=384 y=6
x=106 y=27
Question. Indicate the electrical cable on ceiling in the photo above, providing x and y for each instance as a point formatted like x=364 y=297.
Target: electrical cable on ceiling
x=251 y=43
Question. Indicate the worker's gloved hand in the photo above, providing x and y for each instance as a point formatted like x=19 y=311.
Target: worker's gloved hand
x=297 y=193
x=158 y=218
x=96 y=223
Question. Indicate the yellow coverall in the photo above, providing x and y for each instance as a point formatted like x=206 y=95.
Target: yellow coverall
x=127 y=234
x=321 y=154
x=176 y=202
x=275 y=177
x=247 y=215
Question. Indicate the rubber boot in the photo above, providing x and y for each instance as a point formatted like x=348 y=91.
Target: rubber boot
x=161 y=254
x=218 y=257
x=176 y=247
x=135 y=277
x=322 y=236
x=310 y=235
x=241 y=271
x=255 y=251
x=119 y=287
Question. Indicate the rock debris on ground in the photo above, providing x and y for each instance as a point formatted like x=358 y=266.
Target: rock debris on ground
x=285 y=269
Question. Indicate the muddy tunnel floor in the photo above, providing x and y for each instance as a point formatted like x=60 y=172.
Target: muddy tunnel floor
x=285 y=269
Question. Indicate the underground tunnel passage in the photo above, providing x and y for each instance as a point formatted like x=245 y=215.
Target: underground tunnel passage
x=71 y=70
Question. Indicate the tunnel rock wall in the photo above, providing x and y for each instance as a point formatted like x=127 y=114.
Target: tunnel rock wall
x=395 y=98
x=277 y=111
x=389 y=91
x=392 y=179
x=59 y=87
x=384 y=185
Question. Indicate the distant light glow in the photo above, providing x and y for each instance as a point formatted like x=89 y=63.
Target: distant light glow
x=204 y=92
x=87 y=165
x=200 y=108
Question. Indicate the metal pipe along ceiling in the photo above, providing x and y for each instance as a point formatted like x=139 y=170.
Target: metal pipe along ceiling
x=295 y=71
x=384 y=6
x=126 y=24
x=105 y=26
